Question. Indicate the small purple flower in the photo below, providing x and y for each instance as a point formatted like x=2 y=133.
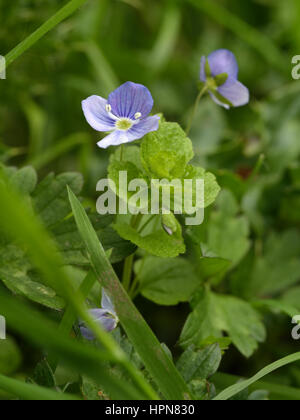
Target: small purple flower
x=125 y=114
x=220 y=74
x=106 y=317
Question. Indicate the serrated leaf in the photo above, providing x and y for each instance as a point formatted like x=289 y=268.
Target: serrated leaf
x=73 y=249
x=199 y=364
x=242 y=323
x=166 y=152
x=215 y=314
x=50 y=199
x=14 y=273
x=91 y=390
x=279 y=266
x=24 y=180
x=43 y=375
x=166 y=281
x=203 y=322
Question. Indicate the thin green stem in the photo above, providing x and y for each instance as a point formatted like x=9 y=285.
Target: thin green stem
x=51 y=23
x=257 y=168
x=134 y=287
x=201 y=93
x=127 y=273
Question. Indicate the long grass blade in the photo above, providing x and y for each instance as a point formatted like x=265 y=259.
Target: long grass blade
x=236 y=389
x=19 y=221
x=32 y=392
x=51 y=23
x=82 y=358
x=146 y=344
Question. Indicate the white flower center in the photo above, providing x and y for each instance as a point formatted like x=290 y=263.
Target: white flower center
x=123 y=123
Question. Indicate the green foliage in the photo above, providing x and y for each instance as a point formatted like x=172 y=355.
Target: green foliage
x=214 y=314
x=156 y=361
x=199 y=364
x=228 y=233
x=158 y=243
x=239 y=270
x=166 y=281
x=10 y=356
x=166 y=152
x=50 y=201
x=196 y=366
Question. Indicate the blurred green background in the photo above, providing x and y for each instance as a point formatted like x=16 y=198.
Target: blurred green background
x=159 y=43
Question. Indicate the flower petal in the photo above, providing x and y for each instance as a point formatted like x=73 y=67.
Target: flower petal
x=108 y=324
x=223 y=61
x=202 y=69
x=103 y=318
x=129 y=99
x=216 y=100
x=235 y=92
x=143 y=127
x=87 y=333
x=96 y=115
x=116 y=138
x=107 y=304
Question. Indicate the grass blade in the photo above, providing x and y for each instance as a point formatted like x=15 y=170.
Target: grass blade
x=19 y=221
x=58 y=17
x=146 y=344
x=276 y=390
x=32 y=392
x=237 y=388
x=78 y=356
x=69 y=317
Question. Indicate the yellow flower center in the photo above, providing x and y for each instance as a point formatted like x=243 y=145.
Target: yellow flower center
x=124 y=124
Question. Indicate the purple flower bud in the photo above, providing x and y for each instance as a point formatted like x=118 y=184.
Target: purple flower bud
x=125 y=114
x=220 y=74
x=105 y=316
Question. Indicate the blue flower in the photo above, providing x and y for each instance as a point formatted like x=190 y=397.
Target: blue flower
x=125 y=114
x=220 y=74
x=106 y=317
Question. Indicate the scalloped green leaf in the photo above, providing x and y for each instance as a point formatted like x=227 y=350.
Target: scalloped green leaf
x=158 y=243
x=166 y=152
